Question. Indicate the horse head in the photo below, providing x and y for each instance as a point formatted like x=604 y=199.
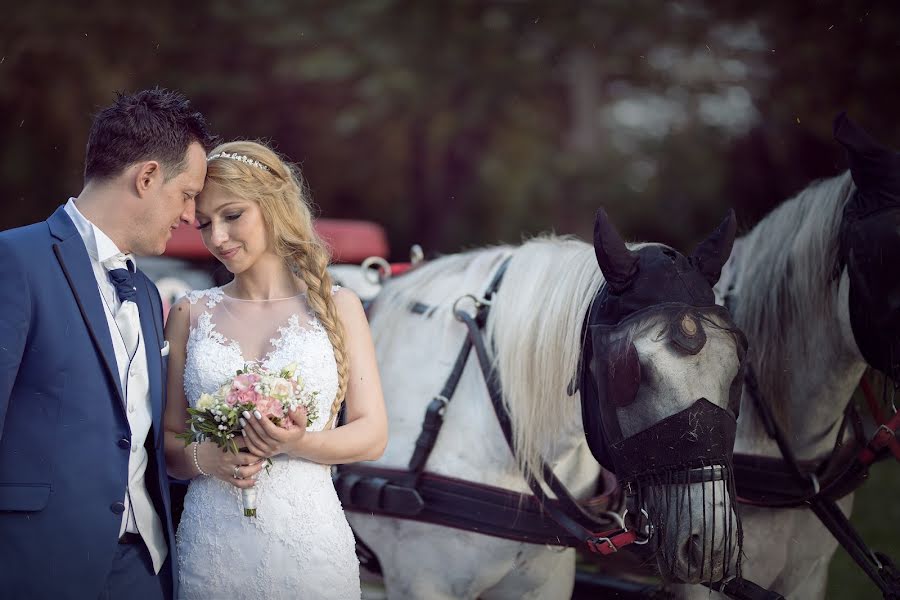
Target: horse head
x=661 y=379
x=870 y=246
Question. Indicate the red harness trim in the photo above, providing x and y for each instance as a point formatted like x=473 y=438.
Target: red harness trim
x=601 y=544
x=886 y=434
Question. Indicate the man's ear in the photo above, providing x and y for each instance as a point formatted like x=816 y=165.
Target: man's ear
x=147 y=175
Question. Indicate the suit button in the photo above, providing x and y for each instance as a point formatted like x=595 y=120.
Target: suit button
x=117 y=507
x=124 y=444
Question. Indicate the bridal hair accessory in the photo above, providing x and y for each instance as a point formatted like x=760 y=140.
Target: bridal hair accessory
x=239 y=157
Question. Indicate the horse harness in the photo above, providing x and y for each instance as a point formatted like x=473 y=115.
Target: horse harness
x=422 y=496
x=866 y=239
x=534 y=518
x=787 y=482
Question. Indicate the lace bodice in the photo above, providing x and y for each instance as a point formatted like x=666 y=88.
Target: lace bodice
x=226 y=332
x=299 y=545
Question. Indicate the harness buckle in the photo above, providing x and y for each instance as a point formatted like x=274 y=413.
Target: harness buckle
x=885 y=432
x=596 y=543
x=444 y=402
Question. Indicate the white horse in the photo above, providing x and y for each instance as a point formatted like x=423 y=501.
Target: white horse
x=535 y=327
x=782 y=292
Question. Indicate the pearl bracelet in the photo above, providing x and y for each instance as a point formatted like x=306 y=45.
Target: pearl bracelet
x=197 y=462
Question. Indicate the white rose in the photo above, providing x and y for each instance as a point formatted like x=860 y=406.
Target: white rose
x=282 y=389
x=288 y=370
x=206 y=402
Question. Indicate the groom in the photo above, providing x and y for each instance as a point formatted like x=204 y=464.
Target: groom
x=84 y=504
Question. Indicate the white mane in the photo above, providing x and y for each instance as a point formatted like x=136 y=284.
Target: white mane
x=535 y=326
x=789 y=284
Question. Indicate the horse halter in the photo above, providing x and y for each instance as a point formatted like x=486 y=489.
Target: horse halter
x=651 y=285
x=870 y=247
x=610 y=375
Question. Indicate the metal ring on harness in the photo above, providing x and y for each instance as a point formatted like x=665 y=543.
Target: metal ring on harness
x=444 y=402
x=644 y=537
x=479 y=302
x=381 y=272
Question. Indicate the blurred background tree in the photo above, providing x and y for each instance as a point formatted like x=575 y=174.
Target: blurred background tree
x=466 y=122
x=470 y=122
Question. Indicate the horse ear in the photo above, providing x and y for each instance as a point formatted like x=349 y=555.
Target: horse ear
x=873 y=167
x=710 y=255
x=617 y=262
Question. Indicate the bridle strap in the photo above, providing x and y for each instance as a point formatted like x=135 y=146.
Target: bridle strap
x=568 y=514
x=877 y=567
x=434 y=414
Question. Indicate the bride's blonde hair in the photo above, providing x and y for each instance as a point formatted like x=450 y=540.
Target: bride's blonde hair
x=254 y=172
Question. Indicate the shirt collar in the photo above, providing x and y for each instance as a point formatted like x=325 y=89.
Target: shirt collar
x=98 y=244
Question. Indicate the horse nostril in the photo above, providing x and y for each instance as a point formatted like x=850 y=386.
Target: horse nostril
x=692 y=559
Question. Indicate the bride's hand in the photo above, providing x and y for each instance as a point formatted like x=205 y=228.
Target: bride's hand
x=237 y=469
x=264 y=438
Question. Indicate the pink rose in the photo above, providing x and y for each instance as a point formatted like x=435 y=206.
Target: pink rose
x=245 y=381
x=270 y=407
x=243 y=397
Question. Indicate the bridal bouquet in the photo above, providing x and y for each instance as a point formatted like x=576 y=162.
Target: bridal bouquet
x=253 y=388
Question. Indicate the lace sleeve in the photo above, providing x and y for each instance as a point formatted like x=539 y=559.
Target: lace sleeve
x=194 y=295
x=213 y=296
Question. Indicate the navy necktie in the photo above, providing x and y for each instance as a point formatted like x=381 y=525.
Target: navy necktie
x=123 y=279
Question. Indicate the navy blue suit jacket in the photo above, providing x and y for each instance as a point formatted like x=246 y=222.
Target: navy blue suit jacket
x=64 y=435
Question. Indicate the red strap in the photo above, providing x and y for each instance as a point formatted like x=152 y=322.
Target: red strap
x=606 y=544
x=886 y=435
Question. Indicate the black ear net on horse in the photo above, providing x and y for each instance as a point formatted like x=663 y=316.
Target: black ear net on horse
x=870 y=246
x=651 y=284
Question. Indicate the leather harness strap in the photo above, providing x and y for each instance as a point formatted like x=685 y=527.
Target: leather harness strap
x=447 y=501
x=565 y=511
x=788 y=483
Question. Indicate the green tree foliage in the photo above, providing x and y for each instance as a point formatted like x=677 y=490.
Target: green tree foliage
x=469 y=122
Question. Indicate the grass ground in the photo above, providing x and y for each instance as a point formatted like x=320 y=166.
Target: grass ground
x=876 y=514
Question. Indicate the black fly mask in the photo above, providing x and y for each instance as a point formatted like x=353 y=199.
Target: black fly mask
x=870 y=247
x=655 y=284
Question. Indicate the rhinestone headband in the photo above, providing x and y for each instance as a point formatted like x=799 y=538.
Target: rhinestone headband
x=239 y=157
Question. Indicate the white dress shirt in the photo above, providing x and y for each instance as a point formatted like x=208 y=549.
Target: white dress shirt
x=139 y=516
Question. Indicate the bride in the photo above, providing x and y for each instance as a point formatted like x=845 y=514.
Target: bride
x=279 y=309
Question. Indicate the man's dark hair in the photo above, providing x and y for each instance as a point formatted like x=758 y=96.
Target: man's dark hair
x=155 y=124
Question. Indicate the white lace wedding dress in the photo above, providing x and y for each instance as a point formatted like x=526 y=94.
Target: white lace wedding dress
x=299 y=545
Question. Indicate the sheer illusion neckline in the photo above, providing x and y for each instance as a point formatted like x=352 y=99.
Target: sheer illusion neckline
x=290 y=327
x=300 y=295
x=254 y=329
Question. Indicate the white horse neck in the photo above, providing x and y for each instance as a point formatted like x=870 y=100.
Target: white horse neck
x=779 y=286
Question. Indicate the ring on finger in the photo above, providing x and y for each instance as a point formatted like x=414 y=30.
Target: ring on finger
x=235 y=473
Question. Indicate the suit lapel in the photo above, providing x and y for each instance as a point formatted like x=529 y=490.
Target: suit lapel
x=152 y=345
x=76 y=266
